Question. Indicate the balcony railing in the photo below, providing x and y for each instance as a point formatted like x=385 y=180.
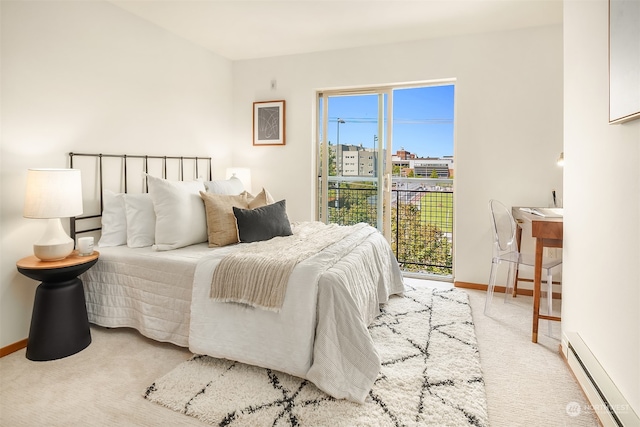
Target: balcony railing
x=421 y=219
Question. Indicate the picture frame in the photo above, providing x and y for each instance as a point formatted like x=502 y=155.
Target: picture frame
x=269 y=121
x=624 y=61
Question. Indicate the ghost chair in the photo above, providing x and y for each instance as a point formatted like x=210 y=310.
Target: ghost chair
x=505 y=250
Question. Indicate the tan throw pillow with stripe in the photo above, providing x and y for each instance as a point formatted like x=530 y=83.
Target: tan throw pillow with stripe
x=221 y=223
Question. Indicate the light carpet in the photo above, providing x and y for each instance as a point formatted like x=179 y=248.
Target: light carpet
x=430 y=376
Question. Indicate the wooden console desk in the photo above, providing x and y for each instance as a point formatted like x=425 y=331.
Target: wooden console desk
x=547 y=232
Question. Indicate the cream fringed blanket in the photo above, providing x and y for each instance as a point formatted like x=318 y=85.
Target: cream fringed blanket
x=257 y=273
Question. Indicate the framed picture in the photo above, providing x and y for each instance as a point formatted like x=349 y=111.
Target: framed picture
x=624 y=61
x=268 y=123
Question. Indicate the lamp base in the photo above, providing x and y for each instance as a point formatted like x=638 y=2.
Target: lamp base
x=53 y=252
x=54 y=245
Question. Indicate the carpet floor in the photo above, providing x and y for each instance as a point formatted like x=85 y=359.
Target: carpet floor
x=526 y=384
x=420 y=383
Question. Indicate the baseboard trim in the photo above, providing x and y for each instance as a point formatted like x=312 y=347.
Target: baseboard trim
x=11 y=348
x=500 y=289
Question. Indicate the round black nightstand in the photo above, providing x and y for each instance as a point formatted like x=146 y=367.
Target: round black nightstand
x=59 y=323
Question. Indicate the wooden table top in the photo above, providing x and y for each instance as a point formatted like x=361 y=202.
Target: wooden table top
x=543 y=227
x=33 y=263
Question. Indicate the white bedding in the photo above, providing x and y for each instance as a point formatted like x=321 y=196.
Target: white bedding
x=144 y=289
x=320 y=333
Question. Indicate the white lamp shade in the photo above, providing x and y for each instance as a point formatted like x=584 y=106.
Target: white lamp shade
x=243 y=174
x=53 y=193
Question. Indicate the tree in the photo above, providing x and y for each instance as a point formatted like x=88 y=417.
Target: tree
x=332 y=159
x=356 y=203
x=434 y=173
x=419 y=245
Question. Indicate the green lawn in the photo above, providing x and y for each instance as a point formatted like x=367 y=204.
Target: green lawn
x=437 y=209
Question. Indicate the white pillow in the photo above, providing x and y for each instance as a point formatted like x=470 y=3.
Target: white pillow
x=228 y=187
x=180 y=214
x=114 y=220
x=141 y=220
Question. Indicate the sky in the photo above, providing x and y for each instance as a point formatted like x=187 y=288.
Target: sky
x=422 y=120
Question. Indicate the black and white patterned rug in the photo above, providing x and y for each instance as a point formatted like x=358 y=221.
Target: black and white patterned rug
x=430 y=376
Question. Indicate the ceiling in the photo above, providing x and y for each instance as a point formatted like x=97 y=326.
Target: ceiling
x=239 y=29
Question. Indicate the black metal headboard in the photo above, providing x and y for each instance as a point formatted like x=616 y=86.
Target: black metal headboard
x=122 y=171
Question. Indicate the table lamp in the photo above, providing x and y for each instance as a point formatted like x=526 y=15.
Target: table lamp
x=53 y=194
x=243 y=174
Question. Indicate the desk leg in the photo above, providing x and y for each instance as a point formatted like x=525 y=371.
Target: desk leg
x=519 y=243
x=536 y=288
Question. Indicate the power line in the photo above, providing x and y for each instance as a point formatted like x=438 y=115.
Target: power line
x=434 y=121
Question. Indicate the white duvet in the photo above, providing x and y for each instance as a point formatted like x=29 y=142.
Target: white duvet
x=321 y=332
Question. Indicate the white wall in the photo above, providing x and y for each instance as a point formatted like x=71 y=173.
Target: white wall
x=90 y=77
x=601 y=288
x=508 y=121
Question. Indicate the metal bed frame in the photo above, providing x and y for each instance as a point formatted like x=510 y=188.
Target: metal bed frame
x=74 y=222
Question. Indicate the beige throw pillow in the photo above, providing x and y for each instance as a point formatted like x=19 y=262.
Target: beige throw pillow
x=263 y=198
x=221 y=223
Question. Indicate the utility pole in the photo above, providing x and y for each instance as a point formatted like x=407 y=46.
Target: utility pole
x=339 y=149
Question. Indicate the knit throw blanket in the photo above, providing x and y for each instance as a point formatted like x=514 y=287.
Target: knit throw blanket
x=257 y=273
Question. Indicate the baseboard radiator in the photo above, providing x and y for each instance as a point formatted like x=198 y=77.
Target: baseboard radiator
x=604 y=397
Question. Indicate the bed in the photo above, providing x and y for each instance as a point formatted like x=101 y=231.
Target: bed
x=179 y=282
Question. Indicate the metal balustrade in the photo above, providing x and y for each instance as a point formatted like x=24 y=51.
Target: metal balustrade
x=421 y=218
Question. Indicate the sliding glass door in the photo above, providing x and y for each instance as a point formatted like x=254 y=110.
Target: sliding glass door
x=406 y=193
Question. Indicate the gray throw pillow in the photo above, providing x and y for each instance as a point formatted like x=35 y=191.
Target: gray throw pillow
x=263 y=223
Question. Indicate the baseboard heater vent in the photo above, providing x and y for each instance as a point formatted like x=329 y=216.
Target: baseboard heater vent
x=605 y=398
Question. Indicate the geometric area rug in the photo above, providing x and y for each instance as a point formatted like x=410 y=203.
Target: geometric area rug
x=430 y=376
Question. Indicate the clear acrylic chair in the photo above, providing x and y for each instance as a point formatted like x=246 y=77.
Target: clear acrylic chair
x=505 y=249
